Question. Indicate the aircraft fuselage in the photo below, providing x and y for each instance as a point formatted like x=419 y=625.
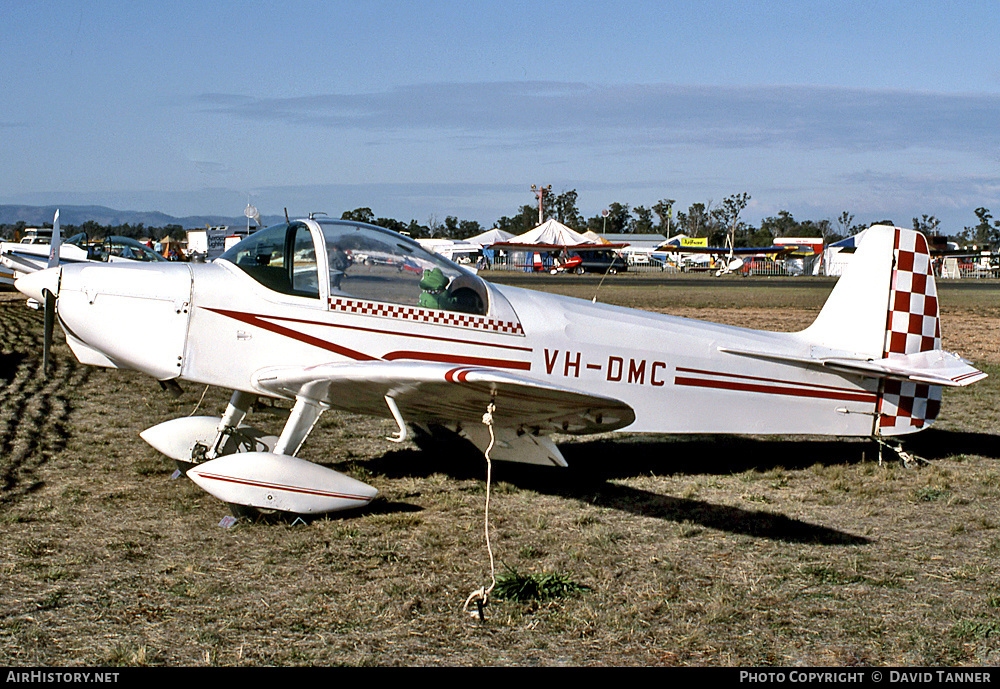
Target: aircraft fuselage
x=211 y=324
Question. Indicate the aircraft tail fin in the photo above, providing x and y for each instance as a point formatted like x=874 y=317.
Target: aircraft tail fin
x=884 y=310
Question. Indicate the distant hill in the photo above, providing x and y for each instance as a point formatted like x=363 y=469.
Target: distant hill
x=36 y=216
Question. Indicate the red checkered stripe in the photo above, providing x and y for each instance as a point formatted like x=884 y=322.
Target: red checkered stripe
x=905 y=404
x=413 y=313
x=912 y=326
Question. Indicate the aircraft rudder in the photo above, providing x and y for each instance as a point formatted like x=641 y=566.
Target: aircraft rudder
x=913 y=321
x=913 y=325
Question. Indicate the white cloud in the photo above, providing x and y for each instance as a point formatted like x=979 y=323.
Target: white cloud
x=555 y=114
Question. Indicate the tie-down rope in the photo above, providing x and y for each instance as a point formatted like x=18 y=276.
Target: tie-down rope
x=481 y=595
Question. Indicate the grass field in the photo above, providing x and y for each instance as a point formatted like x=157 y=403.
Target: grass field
x=654 y=550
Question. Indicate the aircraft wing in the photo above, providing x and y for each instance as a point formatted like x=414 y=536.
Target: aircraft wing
x=444 y=393
x=774 y=250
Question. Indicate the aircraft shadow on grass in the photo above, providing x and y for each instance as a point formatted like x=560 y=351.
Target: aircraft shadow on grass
x=938 y=444
x=590 y=475
x=590 y=478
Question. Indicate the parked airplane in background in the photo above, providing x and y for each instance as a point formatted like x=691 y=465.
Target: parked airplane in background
x=727 y=260
x=439 y=348
x=452 y=249
x=27 y=256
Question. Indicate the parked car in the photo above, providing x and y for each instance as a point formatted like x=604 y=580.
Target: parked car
x=762 y=265
x=600 y=261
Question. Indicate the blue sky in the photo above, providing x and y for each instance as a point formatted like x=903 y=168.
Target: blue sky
x=428 y=109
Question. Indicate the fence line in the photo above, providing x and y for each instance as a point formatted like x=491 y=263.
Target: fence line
x=521 y=262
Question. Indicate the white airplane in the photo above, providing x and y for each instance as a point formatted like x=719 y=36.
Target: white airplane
x=457 y=251
x=410 y=336
x=728 y=259
x=35 y=253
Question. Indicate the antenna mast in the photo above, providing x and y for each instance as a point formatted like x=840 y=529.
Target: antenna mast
x=540 y=192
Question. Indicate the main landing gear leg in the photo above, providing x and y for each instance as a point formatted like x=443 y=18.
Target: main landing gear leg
x=300 y=423
x=237 y=410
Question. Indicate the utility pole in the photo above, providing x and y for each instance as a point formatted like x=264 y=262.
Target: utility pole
x=540 y=192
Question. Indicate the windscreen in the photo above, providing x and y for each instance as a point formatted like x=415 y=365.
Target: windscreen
x=371 y=263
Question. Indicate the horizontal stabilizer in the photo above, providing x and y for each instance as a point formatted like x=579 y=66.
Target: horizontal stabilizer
x=933 y=367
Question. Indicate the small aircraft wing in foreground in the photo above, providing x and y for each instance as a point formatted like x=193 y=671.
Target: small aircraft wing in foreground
x=405 y=334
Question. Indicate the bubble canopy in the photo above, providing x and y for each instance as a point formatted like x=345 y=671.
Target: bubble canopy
x=338 y=258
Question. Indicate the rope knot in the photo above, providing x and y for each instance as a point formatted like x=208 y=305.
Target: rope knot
x=488 y=416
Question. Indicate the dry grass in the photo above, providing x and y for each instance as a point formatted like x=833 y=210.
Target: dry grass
x=679 y=551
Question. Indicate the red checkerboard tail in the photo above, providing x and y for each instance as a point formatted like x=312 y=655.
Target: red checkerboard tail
x=912 y=326
x=881 y=321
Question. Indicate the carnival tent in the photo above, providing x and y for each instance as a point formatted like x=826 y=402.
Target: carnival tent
x=490 y=237
x=595 y=238
x=551 y=233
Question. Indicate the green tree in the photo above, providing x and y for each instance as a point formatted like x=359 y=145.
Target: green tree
x=416 y=230
x=507 y=224
x=615 y=219
x=760 y=237
x=727 y=215
x=359 y=215
x=95 y=231
x=846 y=224
x=927 y=224
x=782 y=225
x=469 y=228
x=664 y=209
x=815 y=228
x=566 y=212
x=619 y=218
x=174 y=232
x=391 y=224
x=526 y=219
x=643 y=221
x=450 y=227
x=984 y=232
x=697 y=221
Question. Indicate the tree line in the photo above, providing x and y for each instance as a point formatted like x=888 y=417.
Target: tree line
x=715 y=221
x=96 y=231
